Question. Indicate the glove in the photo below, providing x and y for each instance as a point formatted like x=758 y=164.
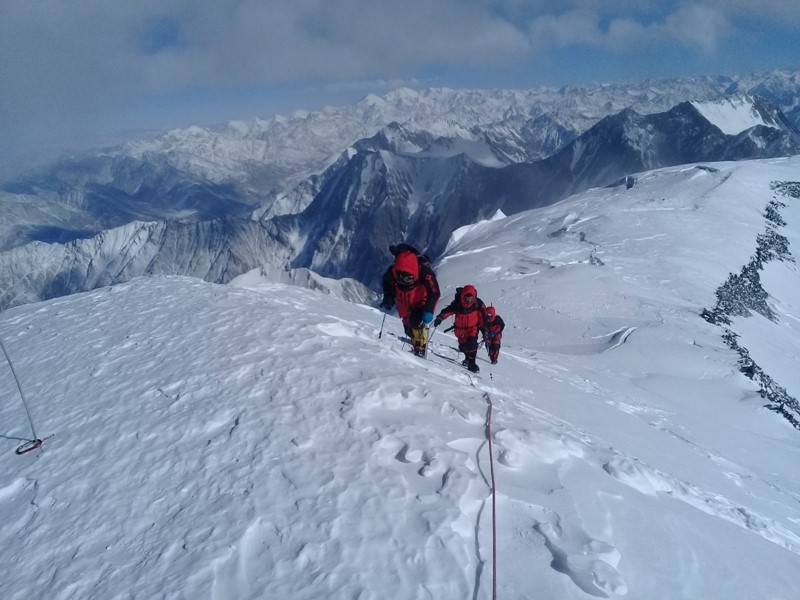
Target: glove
x=427 y=317
x=437 y=322
x=387 y=302
x=492 y=334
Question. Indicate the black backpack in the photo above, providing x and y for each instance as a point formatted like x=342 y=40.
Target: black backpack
x=422 y=259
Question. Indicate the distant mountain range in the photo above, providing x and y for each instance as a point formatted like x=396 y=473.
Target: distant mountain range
x=329 y=191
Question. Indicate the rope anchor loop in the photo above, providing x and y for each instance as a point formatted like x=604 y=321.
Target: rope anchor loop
x=29 y=446
x=35 y=442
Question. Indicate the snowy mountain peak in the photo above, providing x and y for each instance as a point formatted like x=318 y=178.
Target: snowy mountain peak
x=732 y=115
x=403 y=94
x=372 y=100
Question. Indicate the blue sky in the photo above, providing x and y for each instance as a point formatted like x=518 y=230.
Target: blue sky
x=74 y=75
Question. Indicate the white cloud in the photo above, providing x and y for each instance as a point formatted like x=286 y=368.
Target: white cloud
x=572 y=28
x=63 y=63
x=781 y=12
x=66 y=65
x=698 y=26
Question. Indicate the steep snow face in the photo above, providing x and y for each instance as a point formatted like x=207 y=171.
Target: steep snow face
x=258 y=440
x=731 y=115
x=690 y=246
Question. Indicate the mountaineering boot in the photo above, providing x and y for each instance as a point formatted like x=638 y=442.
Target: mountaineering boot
x=472 y=366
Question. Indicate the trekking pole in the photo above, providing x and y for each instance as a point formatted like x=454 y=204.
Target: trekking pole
x=35 y=442
x=427 y=343
x=382 y=322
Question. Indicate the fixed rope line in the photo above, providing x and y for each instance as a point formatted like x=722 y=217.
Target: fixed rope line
x=35 y=442
x=494 y=503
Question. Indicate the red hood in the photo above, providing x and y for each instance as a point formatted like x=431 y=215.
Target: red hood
x=407 y=261
x=468 y=290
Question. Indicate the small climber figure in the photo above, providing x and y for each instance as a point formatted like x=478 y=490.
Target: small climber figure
x=470 y=319
x=495 y=326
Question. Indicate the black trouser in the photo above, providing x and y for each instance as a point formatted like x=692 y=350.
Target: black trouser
x=469 y=347
x=414 y=320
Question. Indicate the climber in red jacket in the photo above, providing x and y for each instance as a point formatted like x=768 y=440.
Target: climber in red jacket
x=411 y=284
x=494 y=327
x=470 y=320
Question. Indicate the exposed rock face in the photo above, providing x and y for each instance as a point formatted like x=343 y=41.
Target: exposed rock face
x=742 y=295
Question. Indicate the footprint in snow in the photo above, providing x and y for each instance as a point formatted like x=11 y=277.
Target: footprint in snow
x=468 y=416
x=588 y=562
x=510 y=458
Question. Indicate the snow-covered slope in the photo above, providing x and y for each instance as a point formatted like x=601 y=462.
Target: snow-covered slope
x=261 y=441
x=731 y=115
